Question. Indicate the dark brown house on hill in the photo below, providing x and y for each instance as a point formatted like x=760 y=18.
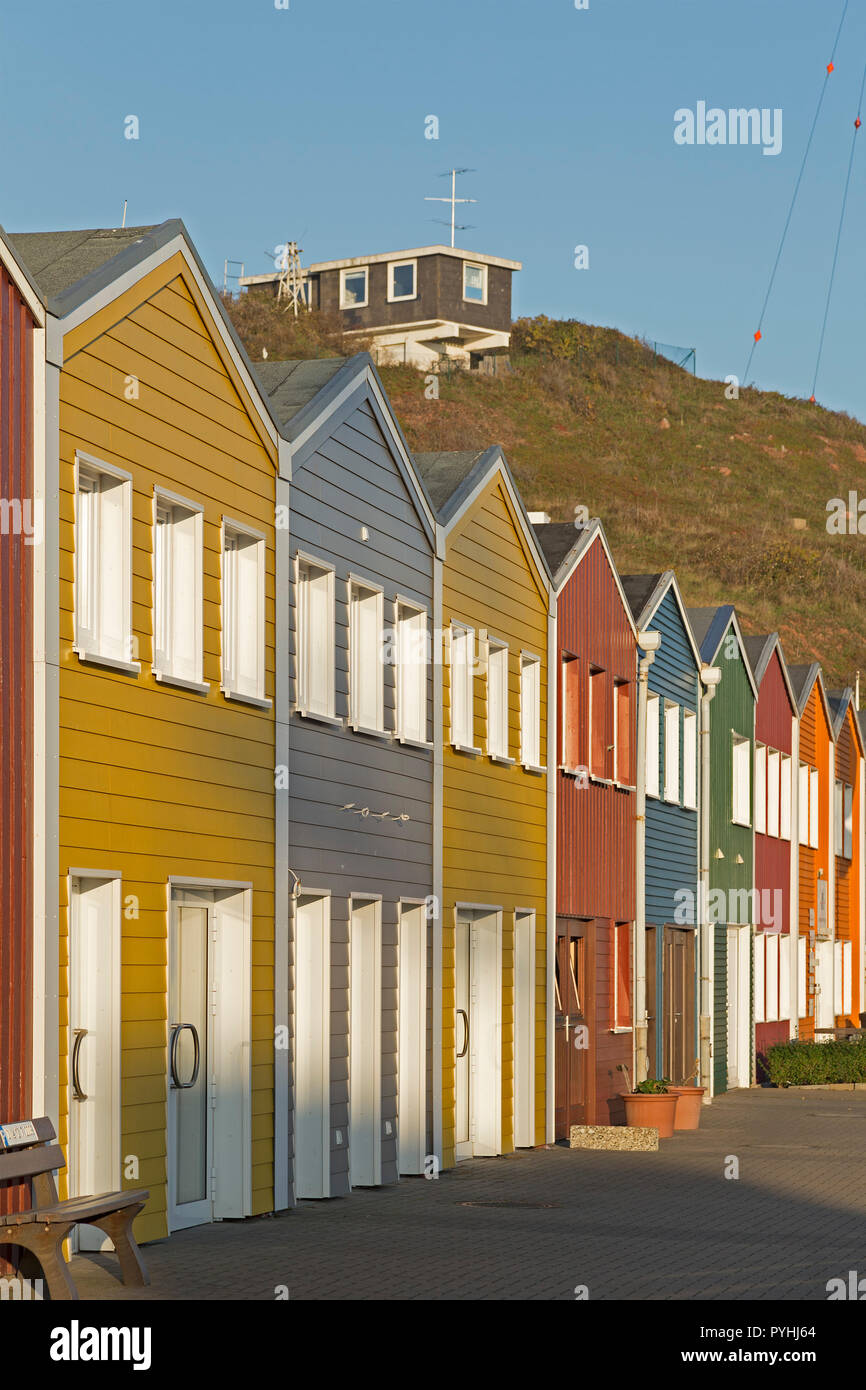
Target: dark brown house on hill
x=417 y=306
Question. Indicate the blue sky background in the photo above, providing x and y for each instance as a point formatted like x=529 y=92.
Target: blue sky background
x=259 y=124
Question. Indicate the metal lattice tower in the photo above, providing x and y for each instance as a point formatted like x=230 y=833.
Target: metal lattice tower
x=291 y=283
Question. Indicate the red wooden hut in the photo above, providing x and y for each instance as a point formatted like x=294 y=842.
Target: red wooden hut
x=595 y=820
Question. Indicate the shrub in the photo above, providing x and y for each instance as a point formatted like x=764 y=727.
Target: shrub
x=816 y=1064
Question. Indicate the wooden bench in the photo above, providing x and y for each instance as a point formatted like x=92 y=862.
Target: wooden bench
x=28 y=1154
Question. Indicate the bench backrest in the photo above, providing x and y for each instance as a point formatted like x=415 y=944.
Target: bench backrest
x=26 y=1149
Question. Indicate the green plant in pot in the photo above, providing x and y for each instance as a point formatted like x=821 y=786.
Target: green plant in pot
x=651 y=1104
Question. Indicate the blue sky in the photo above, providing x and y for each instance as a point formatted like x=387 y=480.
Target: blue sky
x=258 y=124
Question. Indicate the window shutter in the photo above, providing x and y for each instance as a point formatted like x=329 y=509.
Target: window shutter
x=802 y=976
x=597 y=723
x=113 y=562
x=653 y=715
x=247 y=634
x=760 y=957
x=760 y=789
x=785 y=797
x=771 y=978
x=847 y=954
x=773 y=792
x=690 y=758
x=412 y=673
x=838 y=968
x=86 y=561
x=848 y=818
x=813 y=807
x=184 y=592
x=672 y=752
x=785 y=976
x=571 y=753
x=803 y=806
x=623 y=733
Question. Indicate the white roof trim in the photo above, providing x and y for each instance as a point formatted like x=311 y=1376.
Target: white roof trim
x=102 y=298
x=357 y=262
x=21 y=283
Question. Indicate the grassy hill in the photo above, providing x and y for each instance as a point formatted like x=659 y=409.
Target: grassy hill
x=732 y=494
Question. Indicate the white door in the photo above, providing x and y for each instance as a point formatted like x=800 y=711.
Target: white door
x=365 y=1044
x=94 y=1046
x=524 y=1029
x=733 y=1007
x=412 y=1041
x=824 y=1017
x=209 y=1119
x=478 y=1034
x=312 y=1046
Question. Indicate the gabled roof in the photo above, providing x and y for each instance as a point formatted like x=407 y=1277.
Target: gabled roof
x=77 y=272
x=564 y=546
x=709 y=626
x=454 y=480
x=760 y=650
x=645 y=592
x=307 y=395
x=639 y=588
x=30 y=292
x=802 y=678
x=839 y=702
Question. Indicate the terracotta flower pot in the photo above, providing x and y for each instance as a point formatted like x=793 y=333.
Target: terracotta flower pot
x=688 y=1111
x=656 y=1110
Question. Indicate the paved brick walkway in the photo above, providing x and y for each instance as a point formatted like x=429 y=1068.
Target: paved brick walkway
x=665 y=1225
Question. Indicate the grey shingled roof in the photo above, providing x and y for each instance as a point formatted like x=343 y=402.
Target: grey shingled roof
x=701 y=620
x=639 y=589
x=291 y=385
x=802 y=678
x=446 y=473
x=557 y=540
x=59 y=260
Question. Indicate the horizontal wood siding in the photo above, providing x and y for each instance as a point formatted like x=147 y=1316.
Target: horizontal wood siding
x=495 y=817
x=16 y=717
x=352 y=480
x=155 y=780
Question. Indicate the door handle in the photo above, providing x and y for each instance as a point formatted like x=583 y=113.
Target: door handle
x=77 y=1093
x=177 y=1084
x=463 y=1014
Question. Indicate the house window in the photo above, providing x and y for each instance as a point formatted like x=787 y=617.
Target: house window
x=177 y=590
x=530 y=711
x=653 y=716
x=838 y=817
x=785 y=797
x=401 y=280
x=411 y=683
x=497 y=700
x=475 y=282
x=740 y=812
x=813 y=807
x=690 y=759
x=570 y=728
x=622 y=975
x=773 y=792
x=103 y=562
x=597 y=723
x=848 y=821
x=366 y=684
x=353 y=288
x=760 y=789
x=803 y=803
x=243 y=612
x=462 y=689
x=672 y=751
x=314 y=656
x=622 y=732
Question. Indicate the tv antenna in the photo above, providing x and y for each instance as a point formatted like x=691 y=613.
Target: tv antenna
x=453 y=200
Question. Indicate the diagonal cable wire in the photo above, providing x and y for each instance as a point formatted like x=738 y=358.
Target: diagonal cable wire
x=857 y=125
x=827 y=74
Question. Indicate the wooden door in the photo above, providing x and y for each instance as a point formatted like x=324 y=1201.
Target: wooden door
x=651 y=1003
x=574 y=1050
x=678 y=982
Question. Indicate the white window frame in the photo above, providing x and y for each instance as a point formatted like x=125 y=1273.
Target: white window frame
x=672 y=752
x=803 y=803
x=402 y=298
x=653 y=744
x=462 y=638
x=741 y=767
x=814 y=805
x=475 y=265
x=170 y=666
x=785 y=792
x=690 y=759
x=530 y=738
x=352 y=271
x=410 y=725
x=497 y=685
x=760 y=789
x=773 y=798
x=360 y=655
x=324 y=651
x=90 y=642
x=229 y=682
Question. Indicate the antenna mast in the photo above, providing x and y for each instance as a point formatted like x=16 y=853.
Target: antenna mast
x=453 y=200
x=291 y=282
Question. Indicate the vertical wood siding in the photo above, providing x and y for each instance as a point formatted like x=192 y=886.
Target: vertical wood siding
x=16 y=716
x=847 y=911
x=352 y=479
x=773 y=727
x=732 y=711
x=815 y=739
x=155 y=780
x=595 y=830
x=495 y=817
